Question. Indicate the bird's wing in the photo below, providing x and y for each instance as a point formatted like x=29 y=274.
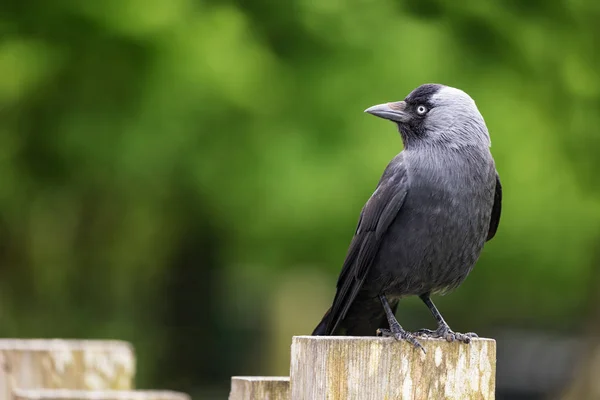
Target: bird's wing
x=496 y=210
x=375 y=218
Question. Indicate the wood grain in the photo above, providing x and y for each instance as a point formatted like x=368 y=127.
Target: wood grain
x=65 y=394
x=259 y=388
x=364 y=368
x=65 y=364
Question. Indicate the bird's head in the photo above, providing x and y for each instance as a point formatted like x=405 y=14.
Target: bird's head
x=434 y=114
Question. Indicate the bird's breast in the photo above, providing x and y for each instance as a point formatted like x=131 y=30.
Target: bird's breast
x=438 y=235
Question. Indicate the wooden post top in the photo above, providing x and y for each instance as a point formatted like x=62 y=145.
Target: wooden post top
x=63 y=344
x=364 y=339
x=64 y=394
x=65 y=364
x=340 y=367
x=260 y=388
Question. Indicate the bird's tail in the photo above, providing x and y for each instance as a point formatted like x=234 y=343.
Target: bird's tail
x=321 y=329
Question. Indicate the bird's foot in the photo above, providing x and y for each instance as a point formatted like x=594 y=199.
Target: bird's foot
x=399 y=333
x=444 y=332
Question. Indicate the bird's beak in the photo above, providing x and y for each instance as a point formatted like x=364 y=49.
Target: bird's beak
x=392 y=111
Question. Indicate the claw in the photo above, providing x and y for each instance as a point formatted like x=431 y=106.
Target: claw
x=444 y=332
x=399 y=334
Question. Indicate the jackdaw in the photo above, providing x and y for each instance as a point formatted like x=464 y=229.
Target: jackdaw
x=424 y=227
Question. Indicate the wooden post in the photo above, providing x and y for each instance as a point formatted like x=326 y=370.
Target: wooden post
x=260 y=388
x=65 y=364
x=364 y=368
x=63 y=394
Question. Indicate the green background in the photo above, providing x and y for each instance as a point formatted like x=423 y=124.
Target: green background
x=187 y=174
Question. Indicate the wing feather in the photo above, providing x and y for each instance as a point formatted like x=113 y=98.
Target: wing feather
x=376 y=217
x=496 y=210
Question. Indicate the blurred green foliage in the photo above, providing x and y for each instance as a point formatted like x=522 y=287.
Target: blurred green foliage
x=162 y=162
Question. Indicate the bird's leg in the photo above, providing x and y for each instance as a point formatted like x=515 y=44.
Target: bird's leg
x=443 y=330
x=395 y=330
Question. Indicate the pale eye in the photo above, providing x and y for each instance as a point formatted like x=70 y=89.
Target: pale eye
x=421 y=110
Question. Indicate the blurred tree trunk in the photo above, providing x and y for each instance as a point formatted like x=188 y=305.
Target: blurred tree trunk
x=191 y=353
x=586 y=379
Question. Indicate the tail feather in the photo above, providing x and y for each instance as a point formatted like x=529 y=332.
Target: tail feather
x=321 y=329
x=363 y=320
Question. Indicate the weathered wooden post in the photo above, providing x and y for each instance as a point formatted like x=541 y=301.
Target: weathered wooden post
x=65 y=364
x=260 y=388
x=65 y=394
x=363 y=368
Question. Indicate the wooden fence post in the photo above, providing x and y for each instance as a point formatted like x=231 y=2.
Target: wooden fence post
x=65 y=394
x=65 y=364
x=260 y=388
x=363 y=368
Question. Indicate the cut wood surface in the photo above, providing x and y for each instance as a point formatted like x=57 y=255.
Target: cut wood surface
x=65 y=394
x=65 y=364
x=363 y=368
x=260 y=388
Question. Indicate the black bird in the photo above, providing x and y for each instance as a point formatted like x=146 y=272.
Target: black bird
x=424 y=227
